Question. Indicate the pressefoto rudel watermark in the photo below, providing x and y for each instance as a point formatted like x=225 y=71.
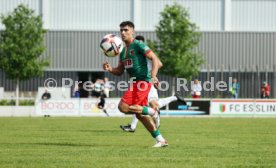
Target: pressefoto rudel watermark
x=181 y=83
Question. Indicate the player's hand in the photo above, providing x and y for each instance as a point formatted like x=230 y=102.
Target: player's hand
x=107 y=66
x=155 y=82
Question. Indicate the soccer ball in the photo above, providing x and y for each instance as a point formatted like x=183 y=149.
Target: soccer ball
x=111 y=45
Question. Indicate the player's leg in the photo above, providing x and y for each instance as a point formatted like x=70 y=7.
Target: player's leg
x=131 y=127
x=105 y=111
x=157 y=103
x=136 y=109
x=147 y=121
x=106 y=92
x=153 y=98
x=152 y=123
x=165 y=101
x=123 y=107
x=140 y=99
x=145 y=110
x=101 y=105
x=152 y=110
x=156 y=118
x=134 y=122
x=134 y=96
x=135 y=100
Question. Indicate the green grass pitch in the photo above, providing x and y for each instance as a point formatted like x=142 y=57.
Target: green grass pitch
x=99 y=143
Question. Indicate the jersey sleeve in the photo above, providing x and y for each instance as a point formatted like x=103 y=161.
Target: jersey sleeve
x=143 y=48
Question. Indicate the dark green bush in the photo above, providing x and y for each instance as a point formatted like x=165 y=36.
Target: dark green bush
x=21 y=102
x=26 y=103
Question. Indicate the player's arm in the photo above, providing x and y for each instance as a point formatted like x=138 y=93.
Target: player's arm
x=156 y=64
x=160 y=64
x=119 y=70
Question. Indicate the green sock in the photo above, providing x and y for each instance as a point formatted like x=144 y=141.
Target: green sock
x=148 y=110
x=155 y=133
x=145 y=110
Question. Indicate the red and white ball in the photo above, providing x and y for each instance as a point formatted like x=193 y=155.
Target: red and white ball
x=111 y=45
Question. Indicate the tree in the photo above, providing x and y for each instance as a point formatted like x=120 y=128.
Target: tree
x=21 y=45
x=177 y=37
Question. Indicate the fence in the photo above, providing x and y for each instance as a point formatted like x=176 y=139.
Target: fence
x=249 y=77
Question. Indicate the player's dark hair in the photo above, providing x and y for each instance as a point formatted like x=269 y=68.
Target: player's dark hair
x=139 y=37
x=127 y=23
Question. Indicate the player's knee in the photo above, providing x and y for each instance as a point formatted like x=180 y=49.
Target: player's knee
x=123 y=107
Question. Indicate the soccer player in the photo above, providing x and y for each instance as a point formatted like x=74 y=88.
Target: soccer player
x=152 y=99
x=101 y=104
x=133 y=58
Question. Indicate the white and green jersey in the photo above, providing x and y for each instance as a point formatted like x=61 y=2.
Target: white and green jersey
x=135 y=61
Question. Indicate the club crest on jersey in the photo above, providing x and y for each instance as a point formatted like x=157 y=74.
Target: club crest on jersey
x=132 y=52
